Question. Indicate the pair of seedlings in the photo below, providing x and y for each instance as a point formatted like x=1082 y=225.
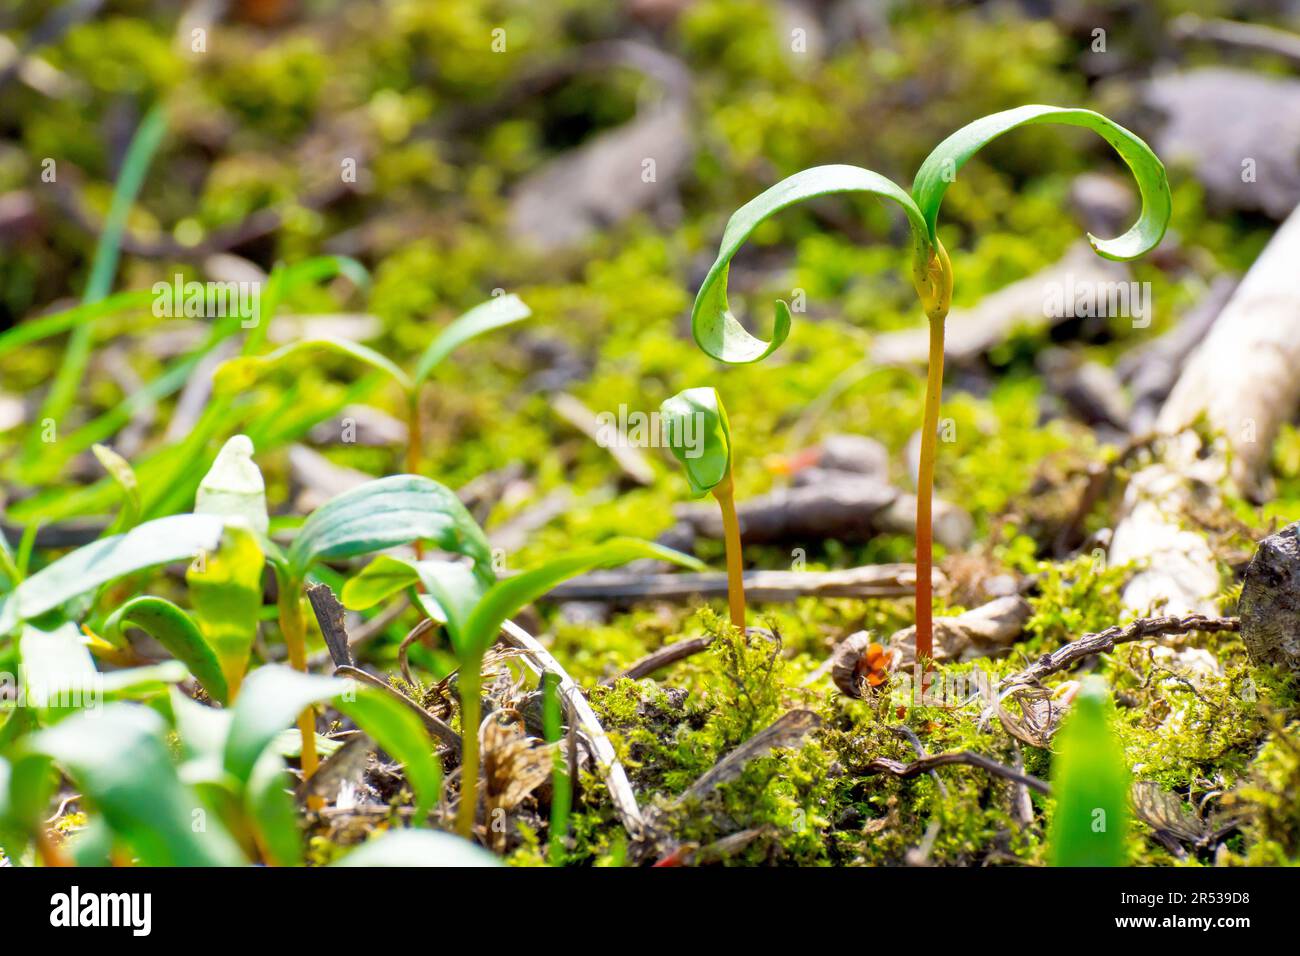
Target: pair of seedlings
x=718 y=332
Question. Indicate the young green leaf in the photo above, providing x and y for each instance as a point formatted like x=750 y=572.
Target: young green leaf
x=696 y=430
x=119 y=759
x=237 y=374
x=716 y=330
x=418 y=848
x=451 y=589
x=495 y=313
x=119 y=469
x=226 y=591
x=1091 y=782
x=176 y=631
x=940 y=167
x=387 y=512
x=506 y=597
x=176 y=538
x=233 y=486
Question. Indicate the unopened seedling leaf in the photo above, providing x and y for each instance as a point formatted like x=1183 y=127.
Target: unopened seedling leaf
x=119 y=469
x=233 y=487
x=696 y=430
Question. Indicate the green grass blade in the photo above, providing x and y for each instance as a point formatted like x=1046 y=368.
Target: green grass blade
x=148 y=137
x=506 y=597
x=1091 y=781
x=495 y=313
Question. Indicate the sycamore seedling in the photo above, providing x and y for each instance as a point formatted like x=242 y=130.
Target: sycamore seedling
x=696 y=430
x=719 y=333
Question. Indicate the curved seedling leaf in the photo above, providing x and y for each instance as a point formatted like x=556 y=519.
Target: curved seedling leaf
x=175 y=538
x=940 y=167
x=56 y=669
x=119 y=469
x=233 y=486
x=696 y=430
x=403 y=736
x=226 y=591
x=176 y=631
x=418 y=848
x=387 y=512
x=1091 y=782
x=119 y=760
x=506 y=597
x=716 y=330
x=237 y=374
x=495 y=313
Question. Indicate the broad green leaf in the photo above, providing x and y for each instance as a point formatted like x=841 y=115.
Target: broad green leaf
x=57 y=670
x=119 y=469
x=270 y=806
x=226 y=591
x=273 y=696
x=403 y=736
x=385 y=513
x=418 y=848
x=495 y=313
x=119 y=759
x=696 y=430
x=506 y=597
x=176 y=631
x=176 y=538
x=233 y=486
x=1090 y=780
x=25 y=787
x=940 y=168
x=716 y=330
x=237 y=374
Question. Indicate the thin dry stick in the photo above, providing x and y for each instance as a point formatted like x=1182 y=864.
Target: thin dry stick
x=441 y=730
x=1103 y=642
x=620 y=788
x=670 y=654
x=896 y=768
